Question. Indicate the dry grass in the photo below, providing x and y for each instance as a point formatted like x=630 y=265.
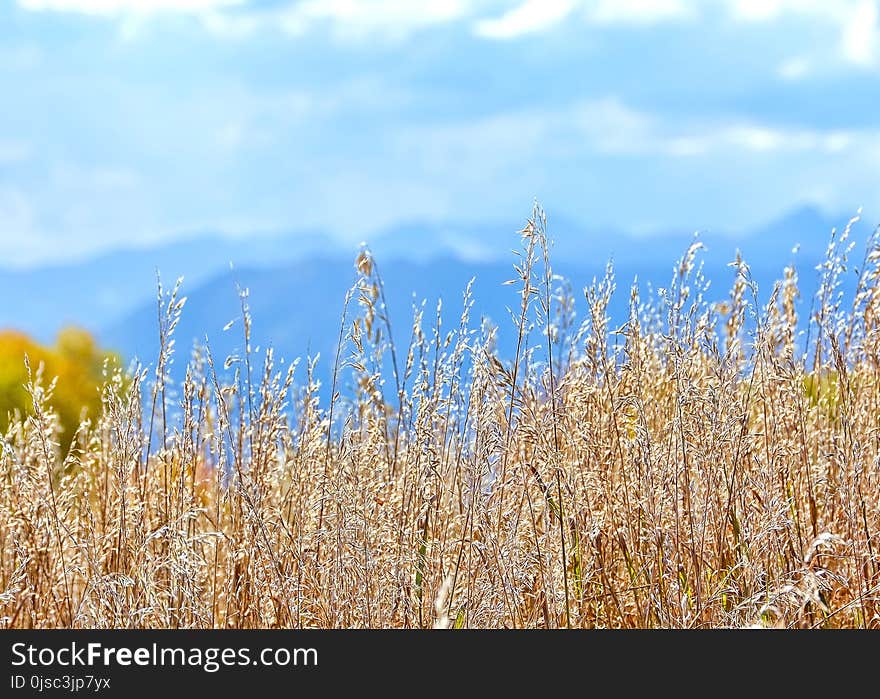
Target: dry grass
x=696 y=467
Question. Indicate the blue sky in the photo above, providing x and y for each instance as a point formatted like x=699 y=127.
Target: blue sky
x=134 y=121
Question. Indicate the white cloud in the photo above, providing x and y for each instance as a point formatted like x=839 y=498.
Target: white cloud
x=533 y=16
x=527 y=18
x=856 y=22
x=637 y=11
x=615 y=129
x=610 y=128
x=709 y=138
x=770 y=10
x=125 y=7
x=364 y=17
x=758 y=10
x=240 y=19
x=795 y=68
x=232 y=26
x=860 y=34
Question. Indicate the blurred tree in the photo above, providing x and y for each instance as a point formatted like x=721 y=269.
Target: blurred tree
x=75 y=360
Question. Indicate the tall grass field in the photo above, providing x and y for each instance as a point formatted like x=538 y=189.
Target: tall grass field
x=697 y=464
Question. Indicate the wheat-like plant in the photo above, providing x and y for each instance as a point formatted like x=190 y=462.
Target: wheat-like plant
x=701 y=465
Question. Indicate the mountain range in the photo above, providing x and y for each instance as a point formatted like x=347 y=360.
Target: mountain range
x=297 y=282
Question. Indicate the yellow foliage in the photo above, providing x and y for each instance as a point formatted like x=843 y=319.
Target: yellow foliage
x=76 y=362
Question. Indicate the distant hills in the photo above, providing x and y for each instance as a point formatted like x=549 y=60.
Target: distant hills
x=297 y=282
x=102 y=290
